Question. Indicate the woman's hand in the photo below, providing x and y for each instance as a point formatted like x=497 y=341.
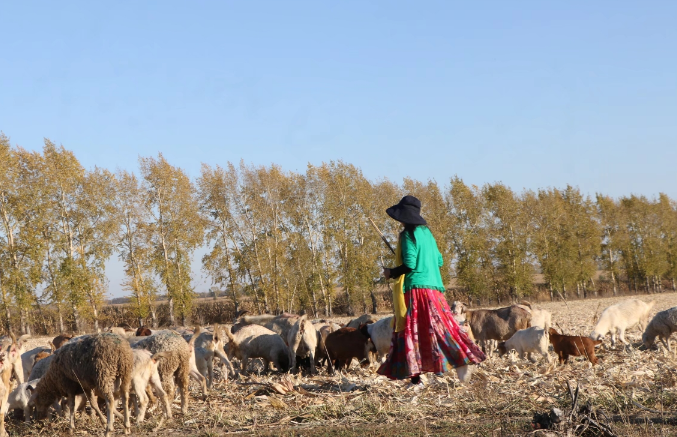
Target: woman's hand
x=386 y=273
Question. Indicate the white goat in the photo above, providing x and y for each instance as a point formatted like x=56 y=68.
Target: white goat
x=527 y=341
x=621 y=316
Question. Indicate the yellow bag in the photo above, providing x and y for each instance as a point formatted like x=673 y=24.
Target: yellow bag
x=399 y=306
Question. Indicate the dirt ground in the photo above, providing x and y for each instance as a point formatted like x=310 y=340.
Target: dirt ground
x=634 y=390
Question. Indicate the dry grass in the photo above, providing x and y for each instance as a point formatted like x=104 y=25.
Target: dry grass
x=629 y=384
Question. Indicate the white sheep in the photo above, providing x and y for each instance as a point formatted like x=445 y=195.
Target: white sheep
x=621 y=316
x=662 y=325
x=527 y=341
x=144 y=373
x=381 y=334
x=20 y=397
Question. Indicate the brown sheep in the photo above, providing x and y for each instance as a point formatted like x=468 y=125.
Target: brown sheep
x=144 y=331
x=573 y=345
x=94 y=365
x=255 y=341
x=347 y=343
x=297 y=332
x=60 y=340
x=40 y=356
x=499 y=324
x=175 y=367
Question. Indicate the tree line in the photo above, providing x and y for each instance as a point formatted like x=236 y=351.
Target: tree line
x=284 y=241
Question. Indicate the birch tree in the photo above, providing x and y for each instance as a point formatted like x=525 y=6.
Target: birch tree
x=176 y=229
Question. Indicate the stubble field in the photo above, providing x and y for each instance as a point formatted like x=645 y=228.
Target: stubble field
x=631 y=390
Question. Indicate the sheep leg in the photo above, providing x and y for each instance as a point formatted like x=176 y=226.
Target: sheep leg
x=183 y=389
x=266 y=366
x=140 y=401
x=71 y=413
x=210 y=372
x=226 y=361
x=157 y=385
x=312 y=362
x=201 y=380
x=613 y=338
x=666 y=343
x=244 y=364
x=110 y=407
x=621 y=335
x=80 y=400
x=124 y=398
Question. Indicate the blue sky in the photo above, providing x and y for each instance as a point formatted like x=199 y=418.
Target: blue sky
x=530 y=93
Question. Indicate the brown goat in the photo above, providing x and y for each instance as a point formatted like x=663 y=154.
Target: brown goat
x=60 y=340
x=143 y=331
x=572 y=345
x=347 y=343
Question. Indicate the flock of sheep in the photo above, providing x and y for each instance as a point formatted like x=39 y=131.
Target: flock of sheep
x=109 y=367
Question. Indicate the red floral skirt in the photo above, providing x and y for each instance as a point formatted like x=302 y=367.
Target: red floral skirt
x=431 y=340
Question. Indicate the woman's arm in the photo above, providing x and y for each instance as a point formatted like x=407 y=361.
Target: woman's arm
x=399 y=271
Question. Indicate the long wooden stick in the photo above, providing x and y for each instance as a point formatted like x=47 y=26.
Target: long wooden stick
x=383 y=237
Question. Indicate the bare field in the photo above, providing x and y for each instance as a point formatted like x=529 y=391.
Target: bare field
x=636 y=389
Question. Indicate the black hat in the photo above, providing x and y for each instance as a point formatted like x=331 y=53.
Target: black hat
x=408 y=211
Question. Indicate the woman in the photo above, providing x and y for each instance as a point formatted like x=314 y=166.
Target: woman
x=426 y=337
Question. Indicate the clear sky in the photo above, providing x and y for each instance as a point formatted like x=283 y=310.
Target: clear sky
x=530 y=93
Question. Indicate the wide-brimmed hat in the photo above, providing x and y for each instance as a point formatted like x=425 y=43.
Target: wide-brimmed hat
x=408 y=211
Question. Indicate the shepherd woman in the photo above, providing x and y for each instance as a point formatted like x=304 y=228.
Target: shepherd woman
x=426 y=338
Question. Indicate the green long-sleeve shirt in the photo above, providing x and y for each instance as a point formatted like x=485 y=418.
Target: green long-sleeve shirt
x=424 y=259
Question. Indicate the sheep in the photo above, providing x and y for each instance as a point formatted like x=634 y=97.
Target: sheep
x=28 y=359
x=571 y=345
x=381 y=334
x=363 y=319
x=323 y=330
x=40 y=368
x=302 y=342
x=283 y=325
x=20 y=397
x=526 y=341
x=499 y=324
x=663 y=324
x=8 y=356
x=347 y=343
x=145 y=372
x=175 y=367
x=539 y=318
x=621 y=316
x=60 y=340
x=143 y=331
x=255 y=341
x=15 y=360
x=207 y=346
x=96 y=365
x=192 y=364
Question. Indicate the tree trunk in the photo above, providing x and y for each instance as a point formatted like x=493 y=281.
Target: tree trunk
x=613 y=282
x=8 y=314
x=171 y=311
x=76 y=319
x=96 y=319
x=25 y=324
x=153 y=316
x=374 y=304
x=673 y=284
x=61 y=328
x=648 y=290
